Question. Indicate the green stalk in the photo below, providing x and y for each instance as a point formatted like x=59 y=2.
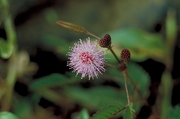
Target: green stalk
x=11 y=72
x=165 y=91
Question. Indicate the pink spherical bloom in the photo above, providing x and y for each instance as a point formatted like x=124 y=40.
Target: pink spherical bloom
x=87 y=58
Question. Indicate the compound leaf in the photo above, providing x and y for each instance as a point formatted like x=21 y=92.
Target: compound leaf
x=109 y=111
x=129 y=112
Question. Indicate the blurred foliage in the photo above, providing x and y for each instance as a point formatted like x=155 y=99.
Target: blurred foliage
x=51 y=81
x=100 y=99
x=7 y=115
x=3 y=10
x=142 y=45
x=68 y=95
x=174 y=113
x=83 y=114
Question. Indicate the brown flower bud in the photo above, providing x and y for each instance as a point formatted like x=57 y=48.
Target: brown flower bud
x=125 y=55
x=105 y=42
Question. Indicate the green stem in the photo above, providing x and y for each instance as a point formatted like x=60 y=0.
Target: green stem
x=10 y=31
x=10 y=80
x=11 y=74
x=4 y=8
x=165 y=91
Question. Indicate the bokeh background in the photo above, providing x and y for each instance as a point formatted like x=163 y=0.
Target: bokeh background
x=45 y=44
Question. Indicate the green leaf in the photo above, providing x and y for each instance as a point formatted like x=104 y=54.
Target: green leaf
x=83 y=114
x=51 y=81
x=52 y=96
x=140 y=77
x=6 y=49
x=73 y=27
x=129 y=112
x=141 y=44
x=7 y=115
x=95 y=98
x=109 y=111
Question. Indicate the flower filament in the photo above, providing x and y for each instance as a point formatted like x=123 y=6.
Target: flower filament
x=86 y=57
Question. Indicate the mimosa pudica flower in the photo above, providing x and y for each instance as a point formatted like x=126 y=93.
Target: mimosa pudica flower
x=87 y=58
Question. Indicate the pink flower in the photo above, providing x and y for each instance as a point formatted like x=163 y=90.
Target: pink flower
x=87 y=58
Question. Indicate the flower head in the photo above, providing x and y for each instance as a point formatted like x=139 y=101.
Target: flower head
x=87 y=58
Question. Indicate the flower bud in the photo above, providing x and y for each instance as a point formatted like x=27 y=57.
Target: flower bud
x=105 y=42
x=125 y=55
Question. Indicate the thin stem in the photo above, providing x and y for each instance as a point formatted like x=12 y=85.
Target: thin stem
x=10 y=31
x=165 y=90
x=110 y=65
x=110 y=48
x=136 y=88
x=125 y=84
x=93 y=35
x=10 y=80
